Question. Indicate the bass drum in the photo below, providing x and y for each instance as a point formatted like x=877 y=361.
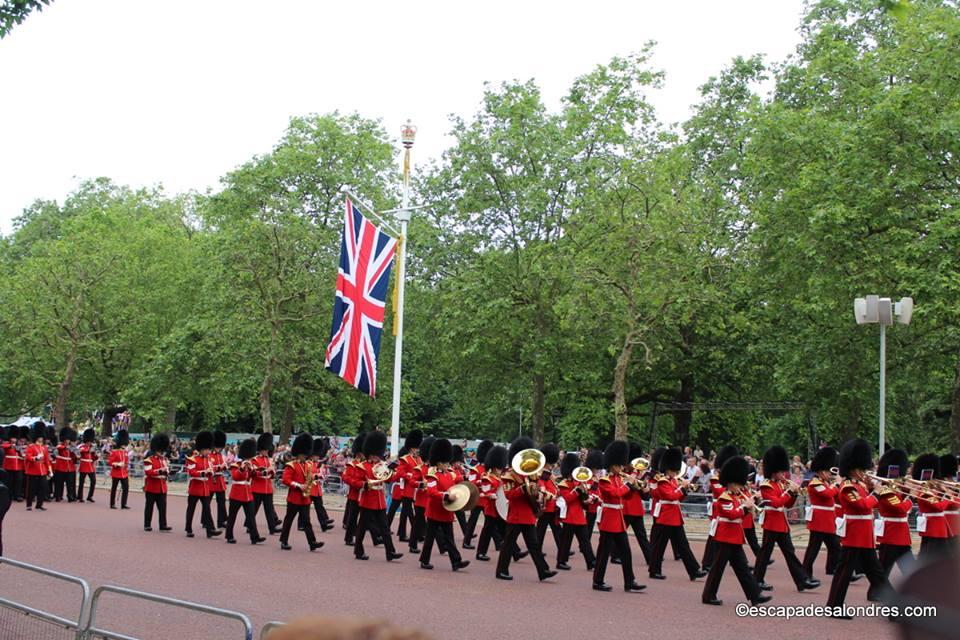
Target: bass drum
x=503 y=505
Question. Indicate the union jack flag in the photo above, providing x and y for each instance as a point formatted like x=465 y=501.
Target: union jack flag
x=366 y=256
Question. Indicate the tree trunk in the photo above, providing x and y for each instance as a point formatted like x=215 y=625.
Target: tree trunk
x=109 y=413
x=170 y=418
x=538 y=412
x=619 y=388
x=265 y=389
x=955 y=409
x=63 y=393
x=683 y=419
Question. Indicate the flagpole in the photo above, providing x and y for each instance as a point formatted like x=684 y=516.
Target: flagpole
x=408 y=133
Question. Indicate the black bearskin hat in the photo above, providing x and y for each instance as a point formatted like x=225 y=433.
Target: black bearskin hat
x=655 y=458
x=321 y=447
x=52 y=435
x=636 y=450
x=551 y=453
x=10 y=432
x=375 y=444
x=358 y=443
x=594 y=459
x=671 y=460
x=160 y=443
x=825 y=459
x=725 y=453
x=617 y=452
x=518 y=445
x=68 y=434
x=37 y=431
x=855 y=454
x=893 y=458
x=441 y=451
x=926 y=461
x=425 y=447
x=948 y=466
x=123 y=438
x=483 y=449
x=204 y=440
x=414 y=439
x=247 y=449
x=496 y=458
x=736 y=469
x=25 y=433
x=457 y=454
x=775 y=460
x=570 y=462
x=219 y=439
x=265 y=442
x=89 y=435
x=302 y=445
x=403 y=451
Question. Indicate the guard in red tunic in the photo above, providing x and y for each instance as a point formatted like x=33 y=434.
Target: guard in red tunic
x=218 y=482
x=37 y=466
x=613 y=528
x=88 y=464
x=495 y=464
x=242 y=473
x=119 y=461
x=948 y=472
x=932 y=520
x=522 y=494
x=321 y=447
x=669 y=493
x=727 y=532
x=633 y=510
x=439 y=479
x=13 y=461
x=820 y=513
x=574 y=498
x=856 y=532
x=779 y=494
x=353 y=476
x=892 y=528
x=64 y=467
x=155 y=472
x=396 y=491
x=198 y=485
x=713 y=509
x=420 y=498
x=297 y=474
x=548 y=489
x=262 y=482
x=594 y=462
x=374 y=474
x=406 y=464
x=475 y=475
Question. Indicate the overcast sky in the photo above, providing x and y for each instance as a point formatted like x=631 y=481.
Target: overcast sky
x=179 y=92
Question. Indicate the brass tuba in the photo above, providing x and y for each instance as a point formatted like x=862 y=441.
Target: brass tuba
x=582 y=474
x=639 y=464
x=528 y=464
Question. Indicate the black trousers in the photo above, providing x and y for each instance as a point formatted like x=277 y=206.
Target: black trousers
x=374 y=521
x=469 y=534
x=221 y=498
x=392 y=511
x=37 y=489
x=591 y=522
x=249 y=515
x=866 y=560
x=677 y=537
x=442 y=532
x=583 y=538
x=322 y=517
x=640 y=531
x=159 y=499
x=621 y=544
x=509 y=548
x=732 y=553
x=831 y=541
x=418 y=529
x=932 y=549
x=266 y=501
x=16 y=485
x=92 y=477
x=492 y=530
x=462 y=520
x=124 y=491
x=352 y=519
x=751 y=536
x=64 y=480
x=773 y=539
x=890 y=554
x=206 y=519
x=406 y=518
x=709 y=553
x=293 y=512
x=545 y=520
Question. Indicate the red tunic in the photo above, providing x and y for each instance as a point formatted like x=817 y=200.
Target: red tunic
x=405 y=474
x=821 y=512
x=953 y=518
x=575 y=514
x=354 y=476
x=549 y=486
x=65 y=461
x=594 y=504
x=420 y=498
x=218 y=483
x=295 y=477
x=240 y=488
x=12 y=460
x=669 y=494
x=371 y=497
x=520 y=509
x=37 y=460
x=633 y=502
x=729 y=521
x=858 y=508
x=119 y=463
x=776 y=501
x=489 y=484
x=262 y=481
x=932 y=521
x=894 y=529
x=155 y=471
x=198 y=468
x=88 y=458
x=612 y=492
x=319 y=473
x=438 y=482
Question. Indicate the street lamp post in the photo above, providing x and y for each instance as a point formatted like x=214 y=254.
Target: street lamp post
x=876 y=310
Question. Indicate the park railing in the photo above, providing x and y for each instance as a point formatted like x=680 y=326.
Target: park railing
x=22 y=621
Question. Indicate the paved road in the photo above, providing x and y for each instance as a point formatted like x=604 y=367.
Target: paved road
x=110 y=547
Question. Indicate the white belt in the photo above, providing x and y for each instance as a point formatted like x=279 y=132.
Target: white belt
x=241 y=482
x=776 y=508
x=818 y=507
x=199 y=479
x=885 y=519
x=849 y=517
x=668 y=501
x=612 y=506
x=933 y=515
x=63 y=458
x=731 y=520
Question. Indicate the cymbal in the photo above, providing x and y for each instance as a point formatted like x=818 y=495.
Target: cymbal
x=462 y=496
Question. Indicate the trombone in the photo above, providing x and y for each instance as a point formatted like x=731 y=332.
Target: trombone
x=915 y=488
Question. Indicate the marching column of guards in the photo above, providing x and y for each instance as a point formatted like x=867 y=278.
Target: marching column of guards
x=859 y=517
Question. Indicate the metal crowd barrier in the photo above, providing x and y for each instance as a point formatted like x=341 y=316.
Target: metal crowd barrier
x=91 y=631
x=76 y=626
x=270 y=626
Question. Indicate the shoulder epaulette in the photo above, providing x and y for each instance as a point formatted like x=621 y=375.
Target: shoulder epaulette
x=725 y=496
x=191 y=459
x=291 y=463
x=563 y=483
x=605 y=479
x=816 y=481
x=767 y=483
